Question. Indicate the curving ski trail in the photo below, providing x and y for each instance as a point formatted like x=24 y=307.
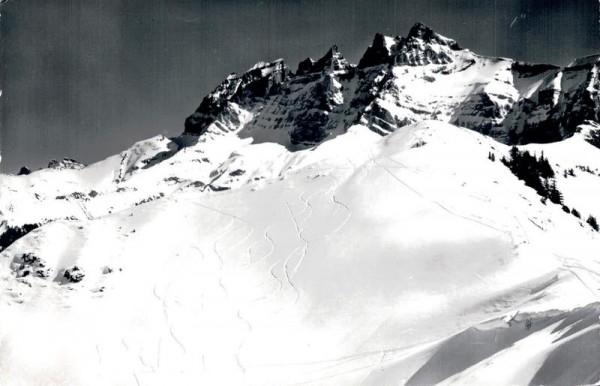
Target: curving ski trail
x=302 y=239
x=243 y=341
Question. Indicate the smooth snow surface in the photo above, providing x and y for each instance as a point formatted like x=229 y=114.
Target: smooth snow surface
x=406 y=259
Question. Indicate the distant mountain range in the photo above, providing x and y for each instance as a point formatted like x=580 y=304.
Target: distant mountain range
x=403 y=80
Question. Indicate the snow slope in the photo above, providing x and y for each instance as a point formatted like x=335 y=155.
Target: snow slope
x=405 y=259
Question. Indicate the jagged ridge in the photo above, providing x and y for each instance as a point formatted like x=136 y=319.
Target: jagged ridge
x=399 y=81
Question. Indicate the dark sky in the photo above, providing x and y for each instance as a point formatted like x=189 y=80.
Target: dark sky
x=87 y=78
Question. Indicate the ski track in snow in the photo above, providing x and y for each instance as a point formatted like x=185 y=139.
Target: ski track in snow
x=440 y=205
x=403 y=166
x=339 y=205
x=306 y=207
x=158 y=353
x=140 y=358
x=287 y=276
x=320 y=379
x=220 y=281
x=243 y=341
x=523 y=231
x=285 y=261
x=243 y=320
x=470 y=217
x=572 y=265
x=242 y=241
x=304 y=246
x=163 y=303
x=309 y=205
x=125 y=344
x=238 y=313
x=220 y=212
x=220 y=258
x=143 y=362
x=99 y=355
x=271 y=242
x=272 y=267
x=274 y=276
x=249 y=251
x=229 y=229
x=370 y=353
x=85 y=211
x=199 y=251
x=181 y=345
x=374 y=359
x=170 y=326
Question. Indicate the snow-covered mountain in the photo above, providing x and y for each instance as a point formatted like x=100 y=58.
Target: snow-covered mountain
x=399 y=81
x=338 y=225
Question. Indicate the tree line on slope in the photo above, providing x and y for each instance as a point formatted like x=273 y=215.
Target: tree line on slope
x=537 y=173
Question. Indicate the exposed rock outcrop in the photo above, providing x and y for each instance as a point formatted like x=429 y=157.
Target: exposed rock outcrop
x=399 y=81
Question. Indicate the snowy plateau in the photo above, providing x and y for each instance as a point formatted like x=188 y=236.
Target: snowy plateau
x=334 y=224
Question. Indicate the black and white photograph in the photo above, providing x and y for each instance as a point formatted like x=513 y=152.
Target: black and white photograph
x=299 y=192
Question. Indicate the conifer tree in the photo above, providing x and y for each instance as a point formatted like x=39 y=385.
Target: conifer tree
x=592 y=221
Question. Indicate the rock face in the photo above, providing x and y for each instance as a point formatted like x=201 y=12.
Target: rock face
x=24 y=171
x=399 y=81
x=565 y=98
x=421 y=47
x=217 y=109
x=332 y=61
x=28 y=264
x=74 y=274
x=378 y=53
x=10 y=234
x=66 y=163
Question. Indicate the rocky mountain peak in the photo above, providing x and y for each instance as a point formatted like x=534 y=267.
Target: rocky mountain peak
x=263 y=79
x=420 y=30
x=420 y=47
x=65 y=163
x=399 y=81
x=377 y=53
x=331 y=61
x=24 y=171
x=423 y=32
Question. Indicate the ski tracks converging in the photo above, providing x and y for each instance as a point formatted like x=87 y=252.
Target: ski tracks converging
x=286 y=261
x=439 y=204
x=372 y=359
x=267 y=237
x=572 y=265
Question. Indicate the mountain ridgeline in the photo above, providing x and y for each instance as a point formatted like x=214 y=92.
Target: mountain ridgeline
x=399 y=81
